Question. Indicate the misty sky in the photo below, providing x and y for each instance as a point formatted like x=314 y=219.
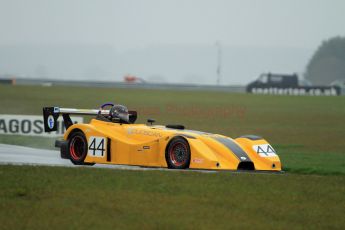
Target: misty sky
x=129 y=25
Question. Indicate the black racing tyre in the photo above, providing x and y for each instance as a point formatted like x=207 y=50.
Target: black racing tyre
x=77 y=147
x=178 y=154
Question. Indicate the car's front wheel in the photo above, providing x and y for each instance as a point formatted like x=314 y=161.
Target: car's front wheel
x=178 y=153
x=77 y=147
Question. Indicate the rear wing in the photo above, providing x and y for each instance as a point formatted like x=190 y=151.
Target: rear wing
x=51 y=114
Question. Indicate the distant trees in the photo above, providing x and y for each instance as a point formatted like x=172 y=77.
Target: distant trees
x=328 y=62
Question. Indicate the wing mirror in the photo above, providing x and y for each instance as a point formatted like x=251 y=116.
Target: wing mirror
x=151 y=121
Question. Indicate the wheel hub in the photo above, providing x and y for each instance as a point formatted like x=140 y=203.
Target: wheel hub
x=178 y=154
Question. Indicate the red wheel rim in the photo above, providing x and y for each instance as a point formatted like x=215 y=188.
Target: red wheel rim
x=77 y=148
x=178 y=154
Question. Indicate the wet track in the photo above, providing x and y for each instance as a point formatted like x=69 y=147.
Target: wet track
x=19 y=155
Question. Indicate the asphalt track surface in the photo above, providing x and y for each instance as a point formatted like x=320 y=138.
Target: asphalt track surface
x=20 y=155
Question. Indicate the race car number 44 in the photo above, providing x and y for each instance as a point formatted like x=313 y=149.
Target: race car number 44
x=264 y=150
x=97 y=146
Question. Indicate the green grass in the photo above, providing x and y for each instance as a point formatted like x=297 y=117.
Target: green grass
x=86 y=198
x=30 y=141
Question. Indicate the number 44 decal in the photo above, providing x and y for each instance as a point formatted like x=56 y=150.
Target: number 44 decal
x=97 y=146
x=264 y=150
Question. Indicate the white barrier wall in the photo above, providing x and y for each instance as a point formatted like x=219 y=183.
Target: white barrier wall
x=30 y=125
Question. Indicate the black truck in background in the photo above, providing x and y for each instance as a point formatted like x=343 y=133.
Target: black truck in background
x=284 y=84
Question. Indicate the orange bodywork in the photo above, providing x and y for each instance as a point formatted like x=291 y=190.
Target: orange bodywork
x=146 y=145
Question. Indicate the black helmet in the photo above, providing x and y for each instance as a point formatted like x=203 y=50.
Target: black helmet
x=119 y=113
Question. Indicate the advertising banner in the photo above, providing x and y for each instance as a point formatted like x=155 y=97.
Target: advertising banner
x=30 y=125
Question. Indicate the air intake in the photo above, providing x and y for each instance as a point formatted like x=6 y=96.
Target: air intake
x=175 y=126
x=246 y=165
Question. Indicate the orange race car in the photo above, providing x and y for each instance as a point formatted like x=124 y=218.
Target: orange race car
x=112 y=137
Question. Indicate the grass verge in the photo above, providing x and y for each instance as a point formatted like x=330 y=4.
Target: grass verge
x=79 y=198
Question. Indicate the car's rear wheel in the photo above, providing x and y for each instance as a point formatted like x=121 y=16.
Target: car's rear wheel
x=77 y=147
x=178 y=154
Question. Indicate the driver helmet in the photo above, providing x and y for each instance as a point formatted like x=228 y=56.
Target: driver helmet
x=119 y=112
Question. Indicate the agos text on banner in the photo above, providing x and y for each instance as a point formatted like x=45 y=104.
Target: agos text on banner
x=30 y=125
